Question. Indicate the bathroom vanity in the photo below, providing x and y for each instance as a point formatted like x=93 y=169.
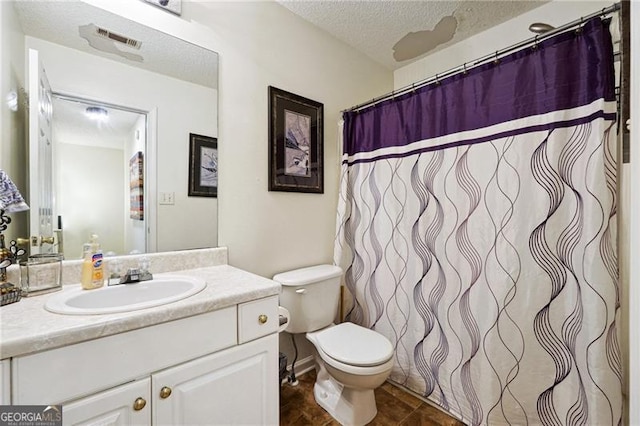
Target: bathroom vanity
x=211 y=358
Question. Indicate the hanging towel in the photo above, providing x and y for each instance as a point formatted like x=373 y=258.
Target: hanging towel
x=11 y=200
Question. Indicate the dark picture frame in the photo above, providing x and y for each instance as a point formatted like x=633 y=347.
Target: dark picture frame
x=203 y=166
x=296 y=157
x=136 y=186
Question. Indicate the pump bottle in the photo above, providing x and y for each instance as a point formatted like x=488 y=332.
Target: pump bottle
x=92 y=265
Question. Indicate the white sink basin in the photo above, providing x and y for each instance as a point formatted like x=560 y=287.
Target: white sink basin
x=125 y=297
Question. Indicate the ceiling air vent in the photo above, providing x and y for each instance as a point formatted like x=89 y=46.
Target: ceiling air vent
x=135 y=44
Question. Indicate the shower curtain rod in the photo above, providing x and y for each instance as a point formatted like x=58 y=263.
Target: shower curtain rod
x=493 y=56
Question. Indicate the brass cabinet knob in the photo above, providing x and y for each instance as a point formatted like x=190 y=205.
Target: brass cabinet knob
x=262 y=319
x=139 y=404
x=165 y=392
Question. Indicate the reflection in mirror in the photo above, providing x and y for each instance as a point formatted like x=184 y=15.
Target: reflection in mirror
x=99 y=146
x=168 y=88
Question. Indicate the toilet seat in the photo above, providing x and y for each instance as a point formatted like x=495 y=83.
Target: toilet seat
x=353 y=349
x=352 y=344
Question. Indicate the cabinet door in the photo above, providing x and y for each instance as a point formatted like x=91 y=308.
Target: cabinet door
x=237 y=386
x=124 y=405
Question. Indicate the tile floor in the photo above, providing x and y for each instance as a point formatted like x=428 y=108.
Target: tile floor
x=395 y=407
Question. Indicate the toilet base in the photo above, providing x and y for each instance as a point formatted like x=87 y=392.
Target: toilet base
x=350 y=407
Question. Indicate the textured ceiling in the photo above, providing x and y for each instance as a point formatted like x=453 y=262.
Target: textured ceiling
x=375 y=27
x=72 y=126
x=59 y=22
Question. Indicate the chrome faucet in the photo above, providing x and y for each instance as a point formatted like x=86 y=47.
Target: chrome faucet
x=135 y=275
x=132 y=275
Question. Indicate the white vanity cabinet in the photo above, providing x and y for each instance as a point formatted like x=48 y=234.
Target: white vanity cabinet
x=194 y=370
x=5 y=382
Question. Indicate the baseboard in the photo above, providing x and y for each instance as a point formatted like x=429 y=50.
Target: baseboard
x=303 y=365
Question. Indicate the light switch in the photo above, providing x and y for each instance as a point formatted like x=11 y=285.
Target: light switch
x=167 y=198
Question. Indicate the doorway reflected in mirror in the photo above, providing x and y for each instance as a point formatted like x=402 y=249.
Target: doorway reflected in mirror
x=92 y=169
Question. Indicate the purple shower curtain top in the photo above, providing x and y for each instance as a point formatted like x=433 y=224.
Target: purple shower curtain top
x=566 y=71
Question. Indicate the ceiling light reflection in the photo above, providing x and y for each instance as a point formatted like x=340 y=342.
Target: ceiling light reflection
x=97 y=113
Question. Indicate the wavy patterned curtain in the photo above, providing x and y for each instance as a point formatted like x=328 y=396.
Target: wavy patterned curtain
x=477 y=226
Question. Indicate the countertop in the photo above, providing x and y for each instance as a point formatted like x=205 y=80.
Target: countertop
x=27 y=327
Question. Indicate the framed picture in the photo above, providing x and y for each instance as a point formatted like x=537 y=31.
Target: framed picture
x=173 y=6
x=136 y=187
x=203 y=166
x=295 y=143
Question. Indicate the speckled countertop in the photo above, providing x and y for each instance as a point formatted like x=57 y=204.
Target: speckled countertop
x=27 y=327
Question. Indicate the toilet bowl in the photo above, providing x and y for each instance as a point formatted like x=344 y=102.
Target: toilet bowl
x=350 y=360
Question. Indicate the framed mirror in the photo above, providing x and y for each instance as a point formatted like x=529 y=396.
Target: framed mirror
x=123 y=173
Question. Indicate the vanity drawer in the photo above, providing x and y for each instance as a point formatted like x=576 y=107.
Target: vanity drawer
x=257 y=318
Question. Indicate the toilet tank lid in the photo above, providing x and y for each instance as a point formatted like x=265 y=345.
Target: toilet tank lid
x=308 y=275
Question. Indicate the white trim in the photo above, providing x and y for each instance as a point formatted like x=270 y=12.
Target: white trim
x=302 y=366
x=151 y=182
x=634 y=253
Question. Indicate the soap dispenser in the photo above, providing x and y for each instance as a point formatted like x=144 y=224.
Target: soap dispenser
x=92 y=267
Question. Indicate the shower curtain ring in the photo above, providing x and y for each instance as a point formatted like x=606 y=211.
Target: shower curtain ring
x=604 y=15
x=464 y=69
x=496 y=60
x=437 y=80
x=535 y=42
x=579 y=29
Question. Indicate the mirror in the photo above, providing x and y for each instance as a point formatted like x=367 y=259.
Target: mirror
x=166 y=87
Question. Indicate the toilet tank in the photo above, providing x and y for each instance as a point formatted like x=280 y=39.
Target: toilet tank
x=311 y=295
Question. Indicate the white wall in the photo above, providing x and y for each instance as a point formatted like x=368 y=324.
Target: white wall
x=90 y=180
x=12 y=123
x=182 y=108
x=263 y=44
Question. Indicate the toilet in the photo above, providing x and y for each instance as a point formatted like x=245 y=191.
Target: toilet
x=351 y=361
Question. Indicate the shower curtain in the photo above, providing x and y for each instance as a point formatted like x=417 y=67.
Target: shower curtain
x=477 y=228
